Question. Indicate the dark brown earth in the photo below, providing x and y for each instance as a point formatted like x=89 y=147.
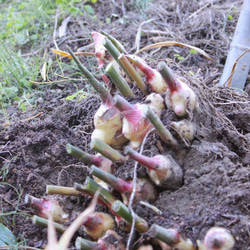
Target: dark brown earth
x=216 y=165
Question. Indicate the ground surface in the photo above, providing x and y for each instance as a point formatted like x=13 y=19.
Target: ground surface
x=216 y=165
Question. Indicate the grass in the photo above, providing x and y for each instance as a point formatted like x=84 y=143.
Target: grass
x=15 y=73
x=142 y=5
x=26 y=29
x=6 y=236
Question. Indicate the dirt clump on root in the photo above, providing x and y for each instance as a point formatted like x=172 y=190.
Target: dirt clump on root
x=216 y=165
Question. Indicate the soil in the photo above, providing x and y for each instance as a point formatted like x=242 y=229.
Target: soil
x=216 y=165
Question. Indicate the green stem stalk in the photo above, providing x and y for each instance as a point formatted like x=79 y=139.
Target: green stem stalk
x=124 y=64
x=116 y=43
x=118 y=184
x=167 y=235
x=83 y=156
x=44 y=223
x=91 y=187
x=114 y=52
x=119 y=81
x=83 y=244
x=103 y=93
x=133 y=73
x=51 y=189
x=164 y=133
x=106 y=150
x=140 y=225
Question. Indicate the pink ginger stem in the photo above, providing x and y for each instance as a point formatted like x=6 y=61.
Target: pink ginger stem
x=124 y=186
x=38 y=203
x=97 y=160
x=41 y=205
x=122 y=104
x=84 y=156
x=148 y=162
x=133 y=113
x=169 y=77
x=147 y=70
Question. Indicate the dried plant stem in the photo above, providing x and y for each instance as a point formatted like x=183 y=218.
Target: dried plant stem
x=66 y=54
x=55 y=27
x=119 y=81
x=51 y=189
x=44 y=223
x=20 y=247
x=23 y=120
x=69 y=232
x=51 y=234
x=134 y=192
x=164 y=133
x=106 y=150
x=170 y=43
